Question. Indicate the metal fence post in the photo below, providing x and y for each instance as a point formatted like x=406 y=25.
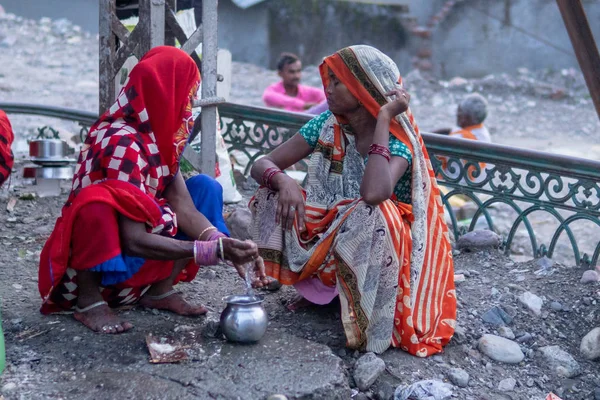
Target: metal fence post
x=209 y=86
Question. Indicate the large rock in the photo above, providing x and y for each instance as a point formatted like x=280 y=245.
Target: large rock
x=500 y=349
x=478 y=241
x=590 y=276
x=590 y=345
x=239 y=222
x=458 y=377
x=532 y=302
x=367 y=370
x=507 y=385
x=560 y=361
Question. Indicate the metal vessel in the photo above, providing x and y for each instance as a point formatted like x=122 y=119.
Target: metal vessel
x=244 y=319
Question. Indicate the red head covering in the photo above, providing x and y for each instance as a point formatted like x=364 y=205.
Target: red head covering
x=156 y=98
x=6 y=155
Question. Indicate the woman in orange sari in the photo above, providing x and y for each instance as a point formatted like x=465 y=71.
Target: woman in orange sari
x=369 y=226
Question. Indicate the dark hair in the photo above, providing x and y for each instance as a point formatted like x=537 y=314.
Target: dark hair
x=286 y=59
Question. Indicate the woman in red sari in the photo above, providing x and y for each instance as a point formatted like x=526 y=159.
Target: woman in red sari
x=115 y=243
x=369 y=225
x=6 y=155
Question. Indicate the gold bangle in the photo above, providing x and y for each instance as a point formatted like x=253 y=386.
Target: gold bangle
x=210 y=228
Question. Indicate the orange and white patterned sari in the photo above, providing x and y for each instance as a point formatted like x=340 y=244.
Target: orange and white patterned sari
x=392 y=263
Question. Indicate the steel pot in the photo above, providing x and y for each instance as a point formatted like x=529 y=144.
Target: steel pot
x=49 y=150
x=244 y=319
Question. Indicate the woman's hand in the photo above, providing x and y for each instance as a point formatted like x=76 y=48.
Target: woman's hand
x=290 y=204
x=398 y=105
x=239 y=252
x=259 y=278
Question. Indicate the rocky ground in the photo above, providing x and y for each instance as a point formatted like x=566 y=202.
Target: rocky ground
x=303 y=354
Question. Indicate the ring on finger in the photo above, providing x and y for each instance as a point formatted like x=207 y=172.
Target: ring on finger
x=292 y=208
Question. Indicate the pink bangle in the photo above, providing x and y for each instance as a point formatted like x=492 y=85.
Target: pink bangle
x=205 y=253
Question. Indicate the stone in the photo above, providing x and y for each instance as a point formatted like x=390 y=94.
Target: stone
x=9 y=387
x=597 y=393
x=459 y=278
x=590 y=345
x=478 y=240
x=212 y=327
x=532 y=302
x=277 y=397
x=556 y=306
x=428 y=389
x=385 y=391
x=506 y=332
x=526 y=337
x=507 y=385
x=497 y=316
x=590 y=276
x=367 y=370
x=560 y=361
x=239 y=222
x=458 y=377
x=460 y=334
x=500 y=349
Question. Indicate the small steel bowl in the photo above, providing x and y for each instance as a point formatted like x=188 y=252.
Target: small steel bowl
x=244 y=319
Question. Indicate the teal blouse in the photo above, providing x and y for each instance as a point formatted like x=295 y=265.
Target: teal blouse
x=312 y=130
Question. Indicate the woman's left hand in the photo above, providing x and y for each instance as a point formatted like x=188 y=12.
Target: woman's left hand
x=259 y=278
x=398 y=105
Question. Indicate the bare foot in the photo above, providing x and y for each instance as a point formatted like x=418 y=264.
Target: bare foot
x=174 y=303
x=102 y=319
x=298 y=303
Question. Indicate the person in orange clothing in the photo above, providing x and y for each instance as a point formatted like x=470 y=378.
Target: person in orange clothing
x=470 y=115
x=6 y=155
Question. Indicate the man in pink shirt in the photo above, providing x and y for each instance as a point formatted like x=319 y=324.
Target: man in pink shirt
x=289 y=94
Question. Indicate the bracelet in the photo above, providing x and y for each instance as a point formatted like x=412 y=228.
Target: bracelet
x=210 y=228
x=380 y=150
x=221 y=248
x=205 y=253
x=268 y=176
x=216 y=235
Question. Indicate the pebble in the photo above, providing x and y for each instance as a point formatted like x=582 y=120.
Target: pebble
x=9 y=387
x=385 y=391
x=478 y=240
x=277 y=397
x=459 y=278
x=458 y=377
x=497 y=316
x=530 y=382
x=532 y=302
x=507 y=385
x=506 y=332
x=556 y=306
x=590 y=345
x=560 y=361
x=494 y=292
x=367 y=370
x=590 y=276
x=17 y=286
x=76 y=338
x=597 y=394
x=500 y=349
x=342 y=353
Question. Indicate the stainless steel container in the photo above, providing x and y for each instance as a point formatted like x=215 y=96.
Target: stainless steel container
x=49 y=152
x=244 y=319
x=38 y=172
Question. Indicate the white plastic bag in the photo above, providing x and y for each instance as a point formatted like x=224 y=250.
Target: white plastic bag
x=424 y=390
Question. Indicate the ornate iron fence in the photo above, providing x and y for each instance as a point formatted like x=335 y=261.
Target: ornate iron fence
x=506 y=193
x=524 y=181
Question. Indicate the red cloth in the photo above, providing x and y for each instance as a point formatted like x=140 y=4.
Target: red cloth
x=127 y=161
x=6 y=155
x=141 y=137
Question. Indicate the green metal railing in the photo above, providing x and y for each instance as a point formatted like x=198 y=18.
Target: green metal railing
x=525 y=182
